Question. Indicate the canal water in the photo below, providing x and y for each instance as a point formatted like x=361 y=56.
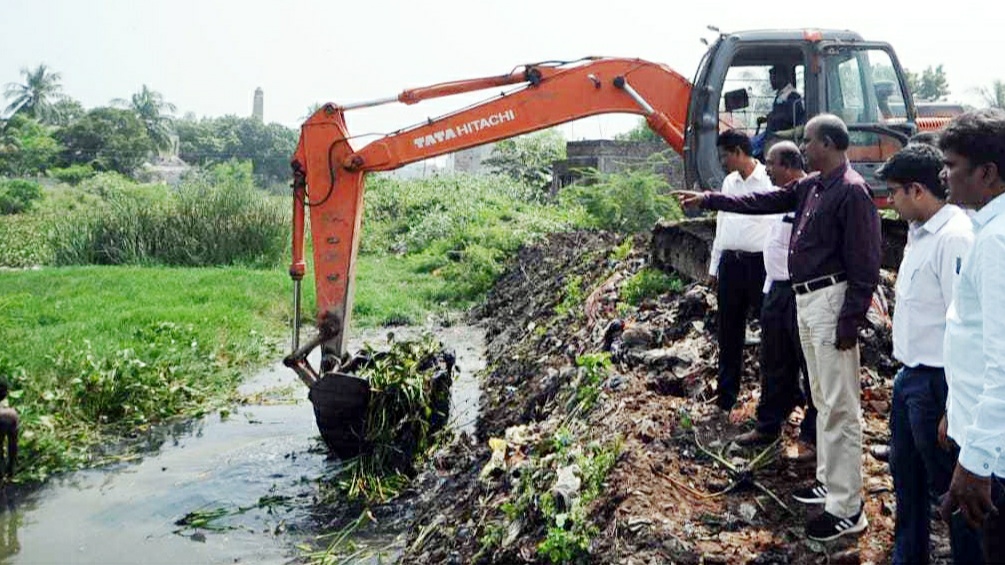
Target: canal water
x=250 y=472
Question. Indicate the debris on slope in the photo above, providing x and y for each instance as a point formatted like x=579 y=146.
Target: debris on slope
x=597 y=440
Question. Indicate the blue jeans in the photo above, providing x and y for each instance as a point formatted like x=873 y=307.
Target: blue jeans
x=921 y=469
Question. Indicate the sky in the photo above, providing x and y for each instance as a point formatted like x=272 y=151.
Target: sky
x=207 y=57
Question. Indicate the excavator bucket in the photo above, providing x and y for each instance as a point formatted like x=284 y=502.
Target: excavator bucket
x=340 y=408
x=342 y=402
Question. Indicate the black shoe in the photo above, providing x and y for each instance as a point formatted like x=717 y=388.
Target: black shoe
x=880 y=452
x=827 y=526
x=813 y=494
x=754 y=438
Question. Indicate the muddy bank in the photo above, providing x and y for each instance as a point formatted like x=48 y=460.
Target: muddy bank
x=519 y=490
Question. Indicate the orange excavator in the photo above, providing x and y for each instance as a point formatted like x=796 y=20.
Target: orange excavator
x=834 y=71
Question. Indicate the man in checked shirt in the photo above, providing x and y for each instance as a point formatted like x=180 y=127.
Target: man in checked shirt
x=834 y=260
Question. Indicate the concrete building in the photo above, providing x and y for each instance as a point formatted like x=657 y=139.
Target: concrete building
x=470 y=160
x=609 y=156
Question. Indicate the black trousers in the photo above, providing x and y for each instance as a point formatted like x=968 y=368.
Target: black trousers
x=741 y=278
x=783 y=366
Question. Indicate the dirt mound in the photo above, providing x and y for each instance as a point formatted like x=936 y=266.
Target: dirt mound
x=597 y=441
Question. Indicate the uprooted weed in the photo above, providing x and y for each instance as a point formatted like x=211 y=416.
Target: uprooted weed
x=404 y=414
x=409 y=399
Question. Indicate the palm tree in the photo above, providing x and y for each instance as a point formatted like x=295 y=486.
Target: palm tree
x=994 y=97
x=149 y=106
x=35 y=98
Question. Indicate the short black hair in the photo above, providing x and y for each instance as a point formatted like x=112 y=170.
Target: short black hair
x=917 y=162
x=789 y=156
x=926 y=137
x=785 y=71
x=979 y=136
x=732 y=139
x=834 y=128
x=3 y=388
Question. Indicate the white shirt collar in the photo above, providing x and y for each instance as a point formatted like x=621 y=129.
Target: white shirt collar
x=939 y=219
x=784 y=92
x=989 y=211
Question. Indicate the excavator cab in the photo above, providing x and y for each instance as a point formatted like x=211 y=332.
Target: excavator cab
x=832 y=71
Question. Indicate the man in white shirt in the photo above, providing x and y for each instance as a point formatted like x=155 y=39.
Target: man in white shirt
x=940 y=236
x=973 y=146
x=781 y=354
x=736 y=266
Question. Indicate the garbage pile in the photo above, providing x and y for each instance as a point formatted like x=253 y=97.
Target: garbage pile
x=597 y=440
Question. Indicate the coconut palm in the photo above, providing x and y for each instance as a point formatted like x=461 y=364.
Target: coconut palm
x=150 y=107
x=37 y=96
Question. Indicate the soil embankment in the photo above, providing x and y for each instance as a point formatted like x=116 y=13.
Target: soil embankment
x=520 y=489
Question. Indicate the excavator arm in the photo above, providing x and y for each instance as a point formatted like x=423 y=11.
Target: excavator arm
x=329 y=174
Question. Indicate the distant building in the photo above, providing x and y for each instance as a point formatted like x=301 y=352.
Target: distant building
x=609 y=156
x=419 y=170
x=258 y=109
x=470 y=160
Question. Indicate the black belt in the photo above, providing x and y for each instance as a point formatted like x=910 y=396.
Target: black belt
x=742 y=254
x=818 y=283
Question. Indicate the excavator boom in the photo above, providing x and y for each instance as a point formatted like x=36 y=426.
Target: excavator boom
x=329 y=174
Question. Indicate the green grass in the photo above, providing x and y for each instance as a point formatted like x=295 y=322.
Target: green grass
x=92 y=352
x=107 y=304
x=394 y=290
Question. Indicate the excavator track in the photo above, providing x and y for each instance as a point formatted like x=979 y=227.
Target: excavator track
x=685 y=246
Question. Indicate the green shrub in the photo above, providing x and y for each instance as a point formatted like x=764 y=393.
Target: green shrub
x=461 y=226
x=649 y=283
x=17 y=195
x=23 y=241
x=73 y=175
x=572 y=296
x=629 y=202
x=217 y=217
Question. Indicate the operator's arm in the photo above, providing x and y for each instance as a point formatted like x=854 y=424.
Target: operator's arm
x=862 y=256
x=985 y=438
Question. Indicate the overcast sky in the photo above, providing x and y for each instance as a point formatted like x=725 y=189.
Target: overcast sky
x=207 y=57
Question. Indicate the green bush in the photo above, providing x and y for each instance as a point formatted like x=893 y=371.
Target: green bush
x=73 y=175
x=461 y=227
x=23 y=241
x=17 y=195
x=214 y=218
x=629 y=202
x=649 y=283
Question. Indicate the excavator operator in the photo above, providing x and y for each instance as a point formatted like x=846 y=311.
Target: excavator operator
x=787 y=110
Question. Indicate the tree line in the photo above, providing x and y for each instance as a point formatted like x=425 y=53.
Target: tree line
x=48 y=132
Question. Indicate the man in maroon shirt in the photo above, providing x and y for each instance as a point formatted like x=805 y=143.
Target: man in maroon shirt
x=834 y=260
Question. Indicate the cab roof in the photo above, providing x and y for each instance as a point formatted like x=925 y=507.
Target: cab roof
x=803 y=34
